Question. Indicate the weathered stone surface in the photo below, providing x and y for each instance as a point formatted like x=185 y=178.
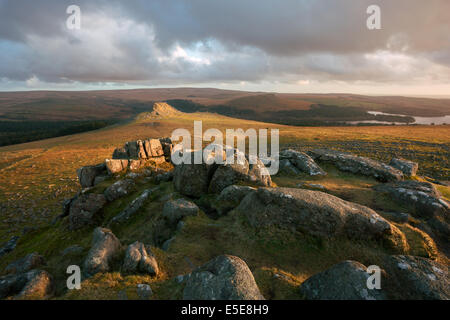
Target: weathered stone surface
x=258 y=174
x=34 y=284
x=132 y=149
x=227 y=174
x=30 y=261
x=9 y=246
x=303 y=162
x=167 y=146
x=84 y=209
x=358 y=165
x=344 y=281
x=421 y=196
x=105 y=246
x=230 y=197
x=287 y=167
x=409 y=168
x=175 y=210
x=223 y=278
x=191 y=179
x=133 y=207
x=156 y=148
x=418 y=278
x=39 y=285
x=142 y=154
x=86 y=175
x=139 y=259
x=114 y=166
x=119 y=189
x=120 y=153
x=318 y=214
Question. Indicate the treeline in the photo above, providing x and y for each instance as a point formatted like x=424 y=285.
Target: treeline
x=14 y=132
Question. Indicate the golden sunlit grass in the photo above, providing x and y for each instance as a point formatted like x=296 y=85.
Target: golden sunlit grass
x=39 y=175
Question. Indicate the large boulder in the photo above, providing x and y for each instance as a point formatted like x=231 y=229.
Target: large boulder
x=119 y=189
x=287 y=167
x=409 y=168
x=139 y=259
x=30 y=261
x=418 y=278
x=317 y=213
x=423 y=197
x=34 y=284
x=356 y=164
x=153 y=148
x=223 y=278
x=230 y=198
x=344 y=281
x=85 y=209
x=175 y=210
x=86 y=175
x=105 y=247
x=301 y=161
x=192 y=179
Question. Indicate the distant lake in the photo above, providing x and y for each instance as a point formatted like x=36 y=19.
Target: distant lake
x=418 y=120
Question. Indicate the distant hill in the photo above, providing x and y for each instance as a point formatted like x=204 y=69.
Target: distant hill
x=34 y=115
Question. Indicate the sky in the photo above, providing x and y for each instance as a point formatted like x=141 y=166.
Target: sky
x=321 y=46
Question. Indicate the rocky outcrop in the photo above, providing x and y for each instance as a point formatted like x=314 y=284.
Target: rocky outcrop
x=301 y=161
x=114 y=166
x=34 y=284
x=140 y=259
x=197 y=179
x=409 y=168
x=105 y=247
x=30 y=261
x=223 y=278
x=85 y=209
x=417 y=278
x=230 y=197
x=422 y=197
x=86 y=175
x=119 y=189
x=175 y=210
x=318 y=214
x=358 y=165
x=344 y=281
x=133 y=207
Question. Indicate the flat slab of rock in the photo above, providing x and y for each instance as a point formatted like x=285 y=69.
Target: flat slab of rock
x=84 y=210
x=409 y=168
x=223 y=278
x=105 y=246
x=114 y=166
x=317 y=213
x=133 y=207
x=358 y=165
x=344 y=281
x=302 y=162
x=423 y=197
x=139 y=259
x=119 y=189
x=419 y=278
x=175 y=210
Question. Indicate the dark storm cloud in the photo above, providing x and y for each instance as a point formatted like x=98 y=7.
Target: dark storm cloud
x=181 y=41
